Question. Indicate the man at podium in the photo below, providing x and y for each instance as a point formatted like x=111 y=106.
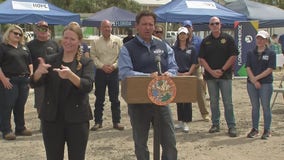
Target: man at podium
x=148 y=56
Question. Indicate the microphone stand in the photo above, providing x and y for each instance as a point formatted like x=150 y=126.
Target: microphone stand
x=157 y=126
x=158 y=60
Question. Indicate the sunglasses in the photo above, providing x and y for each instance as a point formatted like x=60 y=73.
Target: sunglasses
x=157 y=32
x=216 y=24
x=18 y=34
x=41 y=29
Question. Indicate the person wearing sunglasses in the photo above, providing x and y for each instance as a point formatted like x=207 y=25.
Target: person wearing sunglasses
x=217 y=55
x=41 y=46
x=159 y=32
x=15 y=70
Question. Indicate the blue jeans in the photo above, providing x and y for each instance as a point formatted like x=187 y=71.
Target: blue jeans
x=141 y=115
x=13 y=100
x=263 y=96
x=225 y=86
x=103 y=80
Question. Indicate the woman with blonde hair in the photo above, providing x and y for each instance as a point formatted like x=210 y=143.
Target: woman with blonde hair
x=85 y=50
x=15 y=70
x=65 y=114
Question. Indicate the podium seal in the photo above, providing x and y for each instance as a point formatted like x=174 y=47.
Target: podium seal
x=161 y=90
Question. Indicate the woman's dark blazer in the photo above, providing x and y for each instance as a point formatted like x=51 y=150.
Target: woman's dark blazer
x=76 y=107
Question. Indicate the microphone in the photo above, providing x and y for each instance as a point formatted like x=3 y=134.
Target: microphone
x=158 y=61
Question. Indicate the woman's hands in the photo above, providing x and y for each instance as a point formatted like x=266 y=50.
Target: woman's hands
x=63 y=72
x=42 y=67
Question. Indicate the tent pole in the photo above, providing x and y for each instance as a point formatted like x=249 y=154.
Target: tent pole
x=166 y=29
x=157 y=132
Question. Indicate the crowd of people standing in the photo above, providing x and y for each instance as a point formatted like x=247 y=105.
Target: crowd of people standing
x=63 y=77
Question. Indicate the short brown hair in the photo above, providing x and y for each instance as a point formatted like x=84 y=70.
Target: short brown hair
x=144 y=14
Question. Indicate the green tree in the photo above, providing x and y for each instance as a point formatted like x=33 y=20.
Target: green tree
x=65 y=4
x=91 y=6
x=277 y=3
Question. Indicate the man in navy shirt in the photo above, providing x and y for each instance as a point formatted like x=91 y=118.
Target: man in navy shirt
x=217 y=55
x=137 y=58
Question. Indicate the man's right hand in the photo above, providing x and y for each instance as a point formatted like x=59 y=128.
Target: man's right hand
x=217 y=73
x=108 y=68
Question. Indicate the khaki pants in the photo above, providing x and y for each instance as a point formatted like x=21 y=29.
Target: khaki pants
x=201 y=96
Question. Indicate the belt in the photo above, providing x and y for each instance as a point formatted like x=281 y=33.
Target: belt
x=18 y=75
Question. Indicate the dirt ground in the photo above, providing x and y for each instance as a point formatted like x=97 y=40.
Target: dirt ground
x=198 y=144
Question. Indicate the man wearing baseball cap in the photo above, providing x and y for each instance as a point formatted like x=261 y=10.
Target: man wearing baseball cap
x=201 y=95
x=41 y=46
x=187 y=23
x=42 y=26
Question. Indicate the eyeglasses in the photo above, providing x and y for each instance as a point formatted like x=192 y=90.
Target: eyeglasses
x=157 y=32
x=17 y=34
x=216 y=24
x=42 y=29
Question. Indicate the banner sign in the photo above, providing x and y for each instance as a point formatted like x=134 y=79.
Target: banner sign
x=245 y=33
x=200 y=5
x=30 y=6
x=123 y=24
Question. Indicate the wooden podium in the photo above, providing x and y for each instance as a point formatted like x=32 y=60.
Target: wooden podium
x=134 y=89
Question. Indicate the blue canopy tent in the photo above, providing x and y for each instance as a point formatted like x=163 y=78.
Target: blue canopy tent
x=119 y=18
x=32 y=11
x=198 y=11
x=267 y=15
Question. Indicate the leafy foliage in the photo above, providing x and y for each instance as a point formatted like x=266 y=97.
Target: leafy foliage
x=92 y=6
x=277 y=3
